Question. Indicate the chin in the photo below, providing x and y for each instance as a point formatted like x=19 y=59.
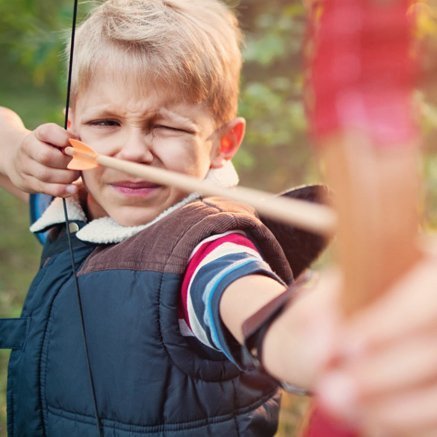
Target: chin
x=137 y=215
x=135 y=218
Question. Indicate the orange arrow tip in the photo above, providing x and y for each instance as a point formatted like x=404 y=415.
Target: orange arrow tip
x=84 y=157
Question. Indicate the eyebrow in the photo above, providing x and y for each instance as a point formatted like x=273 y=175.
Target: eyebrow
x=99 y=111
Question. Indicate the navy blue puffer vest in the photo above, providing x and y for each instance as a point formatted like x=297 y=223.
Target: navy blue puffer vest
x=149 y=380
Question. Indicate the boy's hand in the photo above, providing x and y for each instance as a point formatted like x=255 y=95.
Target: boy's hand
x=297 y=346
x=37 y=163
x=376 y=370
x=385 y=375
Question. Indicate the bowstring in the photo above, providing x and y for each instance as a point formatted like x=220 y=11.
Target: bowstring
x=68 y=232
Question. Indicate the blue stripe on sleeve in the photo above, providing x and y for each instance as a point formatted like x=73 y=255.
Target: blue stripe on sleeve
x=207 y=289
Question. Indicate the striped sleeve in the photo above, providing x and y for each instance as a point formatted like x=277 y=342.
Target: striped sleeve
x=213 y=265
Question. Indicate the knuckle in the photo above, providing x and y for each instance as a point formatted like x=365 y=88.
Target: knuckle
x=28 y=186
x=19 y=182
x=65 y=177
x=44 y=156
x=58 y=191
x=41 y=131
x=27 y=141
x=51 y=133
x=74 y=175
x=42 y=174
x=55 y=190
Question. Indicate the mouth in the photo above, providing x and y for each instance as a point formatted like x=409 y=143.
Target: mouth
x=133 y=188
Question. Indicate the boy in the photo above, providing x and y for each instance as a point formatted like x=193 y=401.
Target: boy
x=166 y=280
x=155 y=83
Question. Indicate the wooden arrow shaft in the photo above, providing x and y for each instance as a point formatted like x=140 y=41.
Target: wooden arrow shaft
x=306 y=215
x=315 y=218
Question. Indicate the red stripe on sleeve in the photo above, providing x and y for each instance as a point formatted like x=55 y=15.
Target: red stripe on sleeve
x=202 y=251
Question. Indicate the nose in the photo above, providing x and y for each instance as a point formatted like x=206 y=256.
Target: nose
x=137 y=147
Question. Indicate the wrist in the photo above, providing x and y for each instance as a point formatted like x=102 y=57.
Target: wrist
x=298 y=346
x=275 y=361
x=13 y=140
x=264 y=333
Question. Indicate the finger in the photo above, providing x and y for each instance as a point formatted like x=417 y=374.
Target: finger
x=404 y=414
x=48 y=155
x=57 y=138
x=55 y=190
x=404 y=365
x=51 y=133
x=408 y=307
x=52 y=157
x=50 y=175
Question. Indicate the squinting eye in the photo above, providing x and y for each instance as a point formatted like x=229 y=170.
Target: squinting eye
x=170 y=128
x=104 y=123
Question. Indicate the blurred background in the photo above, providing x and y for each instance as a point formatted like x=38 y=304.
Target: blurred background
x=277 y=151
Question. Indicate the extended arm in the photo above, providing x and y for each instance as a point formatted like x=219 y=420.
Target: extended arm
x=376 y=369
x=298 y=341
x=12 y=132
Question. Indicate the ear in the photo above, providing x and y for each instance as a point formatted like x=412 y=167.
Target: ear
x=229 y=141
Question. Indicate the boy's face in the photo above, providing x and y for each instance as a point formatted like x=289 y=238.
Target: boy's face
x=150 y=128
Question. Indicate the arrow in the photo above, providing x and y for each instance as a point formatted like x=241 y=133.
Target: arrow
x=319 y=219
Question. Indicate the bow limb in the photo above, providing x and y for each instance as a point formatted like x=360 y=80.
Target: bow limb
x=376 y=202
x=362 y=78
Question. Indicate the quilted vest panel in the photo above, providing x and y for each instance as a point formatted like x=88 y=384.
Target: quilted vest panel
x=149 y=380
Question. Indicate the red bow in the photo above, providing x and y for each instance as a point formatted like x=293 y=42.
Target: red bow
x=361 y=79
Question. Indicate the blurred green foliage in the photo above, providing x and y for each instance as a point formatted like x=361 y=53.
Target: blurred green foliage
x=271 y=96
x=276 y=153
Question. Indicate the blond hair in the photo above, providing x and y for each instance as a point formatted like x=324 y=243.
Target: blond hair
x=193 y=45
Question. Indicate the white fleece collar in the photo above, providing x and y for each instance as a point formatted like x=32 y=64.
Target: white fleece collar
x=105 y=230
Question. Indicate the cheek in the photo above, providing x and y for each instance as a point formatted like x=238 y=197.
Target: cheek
x=187 y=156
x=102 y=142
x=91 y=179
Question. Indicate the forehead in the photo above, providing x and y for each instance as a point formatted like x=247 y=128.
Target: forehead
x=136 y=74
x=116 y=93
x=106 y=82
